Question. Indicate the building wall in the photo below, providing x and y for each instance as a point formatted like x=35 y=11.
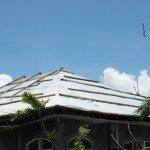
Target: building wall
x=9 y=140
x=127 y=134
x=34 y=131
x=67 y=129
x=99 y=135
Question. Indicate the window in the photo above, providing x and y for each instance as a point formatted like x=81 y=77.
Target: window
x=39 y=144
x=86 y=143
x=137 y=145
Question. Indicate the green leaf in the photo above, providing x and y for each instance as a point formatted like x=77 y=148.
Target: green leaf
x=144 y=109
x=19 y=114
x=36 y=104
x=83 y=131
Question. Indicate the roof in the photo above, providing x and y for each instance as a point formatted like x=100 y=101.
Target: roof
x=66 y=89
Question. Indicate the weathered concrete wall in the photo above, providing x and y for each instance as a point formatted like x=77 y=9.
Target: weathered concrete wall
x=139 y=132
x=124 y=134
x=33 y=131
x=66 y=129
x=8 y=140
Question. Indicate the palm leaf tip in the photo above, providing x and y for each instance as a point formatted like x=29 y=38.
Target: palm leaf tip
x=35 y=103
x=20 y=113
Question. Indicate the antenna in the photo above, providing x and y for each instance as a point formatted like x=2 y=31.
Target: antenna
x=145 y=34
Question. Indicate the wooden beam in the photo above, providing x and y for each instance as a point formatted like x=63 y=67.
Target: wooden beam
x=96 y=100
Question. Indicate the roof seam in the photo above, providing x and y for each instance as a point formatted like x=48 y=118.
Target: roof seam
x=12 y=82
x=17 y=101
x=57 y=71
x=101 y=87
x=105 y=94
x=19 y=84
x=81 y=79
x=96 y=100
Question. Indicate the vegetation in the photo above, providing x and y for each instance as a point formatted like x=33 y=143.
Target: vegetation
x=38 y=106
x=144 y=109
x=20 y=114
x=35 y=105
x=83 y=131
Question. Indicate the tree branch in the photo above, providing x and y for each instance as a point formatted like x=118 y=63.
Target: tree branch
x=145 y=34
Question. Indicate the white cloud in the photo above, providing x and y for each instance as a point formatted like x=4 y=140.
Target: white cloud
x=126 y=82
x=4 y=79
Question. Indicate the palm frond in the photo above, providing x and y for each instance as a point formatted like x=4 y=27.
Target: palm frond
x=20 y=113
x=36 y=104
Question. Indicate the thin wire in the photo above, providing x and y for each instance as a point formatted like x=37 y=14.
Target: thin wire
x=134 y=137
x=117 y=142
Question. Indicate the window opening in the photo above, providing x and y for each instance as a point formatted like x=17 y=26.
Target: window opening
x=40 y=144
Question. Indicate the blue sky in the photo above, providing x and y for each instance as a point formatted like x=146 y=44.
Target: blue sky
x=84 y=36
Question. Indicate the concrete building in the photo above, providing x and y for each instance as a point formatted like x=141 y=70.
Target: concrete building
x=73 y=101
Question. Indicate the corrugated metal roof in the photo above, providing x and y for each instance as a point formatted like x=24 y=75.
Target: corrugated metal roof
x=66 y=89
